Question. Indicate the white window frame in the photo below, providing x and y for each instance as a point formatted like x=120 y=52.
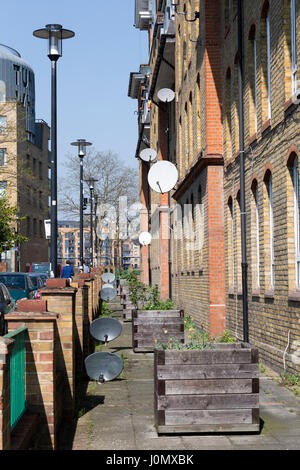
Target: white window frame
x=271 y=220
x=296 y=221
x=293 y=45
x=268 y=38
x=254 y=78
x=5 y=156
x=257 y=236
x=3 y=124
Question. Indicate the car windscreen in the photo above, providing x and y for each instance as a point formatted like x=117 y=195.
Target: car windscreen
x=34 y=280
x=13 y=282
x=40 y=268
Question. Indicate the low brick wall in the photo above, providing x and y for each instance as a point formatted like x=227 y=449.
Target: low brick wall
x=40 y=370
x=6 y=346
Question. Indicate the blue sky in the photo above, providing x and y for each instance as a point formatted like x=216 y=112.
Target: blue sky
x=93 y=73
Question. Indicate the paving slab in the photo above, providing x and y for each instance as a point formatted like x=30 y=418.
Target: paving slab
x=120 y=414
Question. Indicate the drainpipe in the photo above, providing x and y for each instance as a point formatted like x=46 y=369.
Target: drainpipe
x=169 y=204
x=242 y=171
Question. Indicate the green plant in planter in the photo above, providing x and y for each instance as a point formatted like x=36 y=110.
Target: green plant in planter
x=155 y=302
x=137 y=293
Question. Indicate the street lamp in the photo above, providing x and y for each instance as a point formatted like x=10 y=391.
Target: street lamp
x=55 y=34
x=81 y=144
x=96 y=235
x=91 y=182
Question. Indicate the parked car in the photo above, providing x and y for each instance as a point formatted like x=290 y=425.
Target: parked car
x=40 y=268
x=19 y=285
x=38 y=283
x=7 y=304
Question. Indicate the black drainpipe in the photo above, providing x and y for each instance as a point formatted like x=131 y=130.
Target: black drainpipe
x=242 y=171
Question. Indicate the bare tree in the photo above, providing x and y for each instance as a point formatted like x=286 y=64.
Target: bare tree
x=115 y=181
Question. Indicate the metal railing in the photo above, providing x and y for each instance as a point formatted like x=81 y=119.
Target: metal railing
x=17 y=376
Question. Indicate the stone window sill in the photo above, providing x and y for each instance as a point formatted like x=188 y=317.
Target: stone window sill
x=252 y=139
x=255 y=292
x=269 y=294
x=294 y=296
x=266 y=125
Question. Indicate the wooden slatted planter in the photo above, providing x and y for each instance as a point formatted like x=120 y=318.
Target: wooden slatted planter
x=207 y=391
x=149 y=325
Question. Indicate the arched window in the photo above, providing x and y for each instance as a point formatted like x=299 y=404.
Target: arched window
x=238 y=243
x=228 y=120
x=265 y=30
x=198 y=114
x=255 y=258
x=252 y=72
x=294 y=222
x=236 y=107
x=290 y=47
x=230 y=243
x=269 y=232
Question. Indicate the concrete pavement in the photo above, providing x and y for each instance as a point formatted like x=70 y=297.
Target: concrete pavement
x=118 y=415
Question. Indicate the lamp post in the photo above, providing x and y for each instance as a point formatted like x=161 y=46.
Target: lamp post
x=91 y=182
x=81 y=144
x=96 y=235
x=55 y=34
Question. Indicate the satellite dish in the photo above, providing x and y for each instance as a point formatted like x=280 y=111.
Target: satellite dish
x=108 y=293
x=162 y=176
x=148 y=155
x=166 y=95
x=108 y=277
x=107 y=286
x=134 y=211
x=105 y=329
x=145 y=238
x=103 y=366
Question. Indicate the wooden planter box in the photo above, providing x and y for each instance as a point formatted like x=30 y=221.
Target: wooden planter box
x=149 y=325
x=207 y=391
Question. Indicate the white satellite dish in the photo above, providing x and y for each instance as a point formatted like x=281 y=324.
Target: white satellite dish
x=162 y=176
x=145 y=238
x=148 y=155
x=108 y=286
x=108 y=277
x=166 y=95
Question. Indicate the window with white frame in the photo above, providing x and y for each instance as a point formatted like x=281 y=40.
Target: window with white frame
x=255 y=193
x=3 y=157
x=295 y=175
x=3 y=124
x=271 y=222
x=268 y=38
x=293 y=45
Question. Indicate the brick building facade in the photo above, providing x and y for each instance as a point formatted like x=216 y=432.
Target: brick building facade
x=193 y=49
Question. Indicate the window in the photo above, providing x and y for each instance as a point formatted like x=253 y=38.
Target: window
x=40 y=170
x=228 y=120
x=3 y=186
x=293 y=45
x=266 y=63
x=40 y=200
x=3 y=157
x=269 y=232
x=255 y=237
x=34 y=226
x=34 y=166
x=41 y=228
x=295 y=177
x=230 y=243
x=3 y=124
x=28 y=232
x=290 y=47
x=252 y=70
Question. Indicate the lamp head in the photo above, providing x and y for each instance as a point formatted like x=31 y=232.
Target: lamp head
x=81 y=144
x=55 y=34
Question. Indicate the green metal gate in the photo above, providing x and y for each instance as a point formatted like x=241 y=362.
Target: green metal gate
x=17 y=375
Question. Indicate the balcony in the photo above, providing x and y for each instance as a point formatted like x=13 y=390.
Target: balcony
x=143 y=14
